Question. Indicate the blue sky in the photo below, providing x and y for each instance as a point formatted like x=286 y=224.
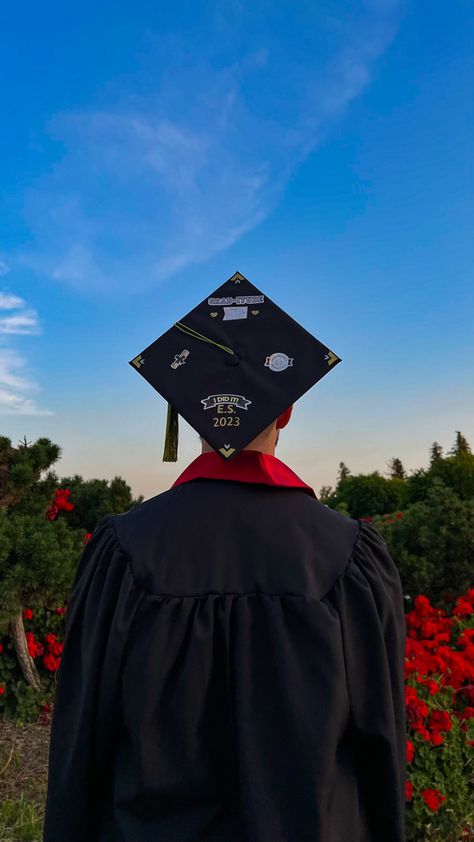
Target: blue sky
x=148 y=151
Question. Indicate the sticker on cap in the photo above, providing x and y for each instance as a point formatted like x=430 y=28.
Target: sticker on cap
x=231 y=313
x=278 y=361
x=237 y=299
x=331 y=357
x=180 y=359
x=235 y=400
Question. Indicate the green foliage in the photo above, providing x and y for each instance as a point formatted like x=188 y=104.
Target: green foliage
x=38 y=559
x=396 y=469
x=444 y=768
x=23 y=702
x=21 y=468
x=457 y=472
x=433 y=544
x=436 y=452
x=325 y=495
x=461 y=444
x=368 y=494
x=343 y=472
x=95 y=498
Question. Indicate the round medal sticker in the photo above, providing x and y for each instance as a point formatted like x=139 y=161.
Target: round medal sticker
x=278 y=361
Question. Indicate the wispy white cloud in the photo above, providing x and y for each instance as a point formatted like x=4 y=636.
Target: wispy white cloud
x=17 y=389
x=158 y=181
x=4 y=268
x=26 y=322
x=10 y=302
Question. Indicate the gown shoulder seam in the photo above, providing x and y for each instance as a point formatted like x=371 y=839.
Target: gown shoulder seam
x=123 y=552
x=349 y=562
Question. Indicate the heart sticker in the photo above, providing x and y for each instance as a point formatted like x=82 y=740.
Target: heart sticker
x=255 y=312
x=214 y=314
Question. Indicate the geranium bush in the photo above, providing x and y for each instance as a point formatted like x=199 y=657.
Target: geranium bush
x=44 y=629
x=439 y=697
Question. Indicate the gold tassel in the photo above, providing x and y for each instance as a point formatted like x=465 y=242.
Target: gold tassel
x=170 y=451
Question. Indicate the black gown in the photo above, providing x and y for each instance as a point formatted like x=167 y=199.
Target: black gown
x=232 y=670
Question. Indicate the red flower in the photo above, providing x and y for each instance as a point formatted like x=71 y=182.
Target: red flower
x=60 y=610
x=399 y=515
x=408 y=790
x=50 y=663
x=88 y=537
x=422 y=605
x=27 y=614
x=437 y=738
x=429 y=628
x=440 y=720
x=467 y=713
x=2 y=689
x=50 y=638
x=462 y=608
x=60 y=502
x=410 y=751
x=416 y=708
x=432 y=686
x=433 y=799
x=32 y=644
x=1 y=648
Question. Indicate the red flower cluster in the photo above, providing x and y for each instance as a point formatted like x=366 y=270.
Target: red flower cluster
x=439 y=657
x=88 y=537
x=61 y=501
x=51 y=650
x=430 y=651
x=34 y=647
x=27 y=614
x=52 y=657
x=433 y=799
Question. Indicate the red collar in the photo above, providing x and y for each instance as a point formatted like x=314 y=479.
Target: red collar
x=247 y=466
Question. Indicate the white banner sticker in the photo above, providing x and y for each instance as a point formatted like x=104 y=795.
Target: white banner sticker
x=235 y=313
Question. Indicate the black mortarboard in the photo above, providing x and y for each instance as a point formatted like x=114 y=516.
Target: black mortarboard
x=231 y=366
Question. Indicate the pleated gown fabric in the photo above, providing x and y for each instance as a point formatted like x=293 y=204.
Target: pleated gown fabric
x=232 y=671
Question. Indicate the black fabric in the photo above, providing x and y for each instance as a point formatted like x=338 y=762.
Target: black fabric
x=232 y=671
x=230 y=396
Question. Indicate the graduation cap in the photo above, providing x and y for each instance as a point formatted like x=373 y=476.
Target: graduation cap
x=231 y=366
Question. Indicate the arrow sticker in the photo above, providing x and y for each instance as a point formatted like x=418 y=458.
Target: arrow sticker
x=227 y=450
x=331 y=358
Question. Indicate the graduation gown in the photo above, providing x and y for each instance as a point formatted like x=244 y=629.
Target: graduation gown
x=232 y=670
